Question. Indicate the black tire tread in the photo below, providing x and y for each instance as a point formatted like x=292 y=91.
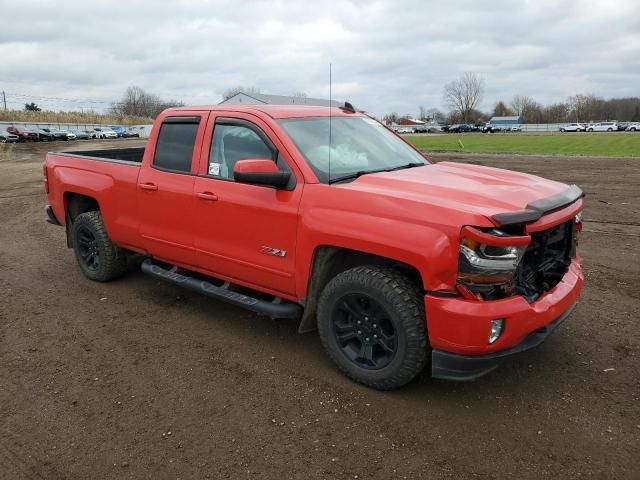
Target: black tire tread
x=113 y=260
x=406 y=299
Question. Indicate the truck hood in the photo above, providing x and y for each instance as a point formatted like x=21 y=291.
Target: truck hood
x=462 y=187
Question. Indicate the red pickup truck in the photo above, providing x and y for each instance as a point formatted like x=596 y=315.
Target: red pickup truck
x=328 y=216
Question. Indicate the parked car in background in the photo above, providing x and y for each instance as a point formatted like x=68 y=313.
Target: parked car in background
x=6 y=137
x=82 y=134
x=103 y=132
x=60 y=134
x=120 y=131
x=23 y=134
x=461 y=128
x=45 y=136
x=602 y=127
x=69 y=135
x=130 y=134
x=404 y=130
x=488 y=128
x=622 y=126
x=633 y=127
x=574 y=127
x=516 y=128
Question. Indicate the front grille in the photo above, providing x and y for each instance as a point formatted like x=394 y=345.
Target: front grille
x=545 y=261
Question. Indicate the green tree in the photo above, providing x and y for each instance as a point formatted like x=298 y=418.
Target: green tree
x=31 y=107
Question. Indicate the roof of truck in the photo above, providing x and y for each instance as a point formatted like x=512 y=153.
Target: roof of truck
x=274 y=111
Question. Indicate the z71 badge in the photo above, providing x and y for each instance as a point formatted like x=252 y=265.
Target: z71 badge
x=276 y=252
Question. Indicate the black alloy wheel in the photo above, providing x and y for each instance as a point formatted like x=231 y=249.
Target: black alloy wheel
x=364 y=331
x=88 y=248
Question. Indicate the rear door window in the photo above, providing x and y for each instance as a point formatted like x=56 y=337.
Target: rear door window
x=174 y=149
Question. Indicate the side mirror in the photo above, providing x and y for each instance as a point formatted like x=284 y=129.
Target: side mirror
x=260 y=171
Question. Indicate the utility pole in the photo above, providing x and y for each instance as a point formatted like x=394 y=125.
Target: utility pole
x=4 y=100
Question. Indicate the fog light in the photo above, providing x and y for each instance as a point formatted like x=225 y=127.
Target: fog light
x=497 y=326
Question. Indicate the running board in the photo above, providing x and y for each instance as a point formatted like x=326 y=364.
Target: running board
x=278 y=308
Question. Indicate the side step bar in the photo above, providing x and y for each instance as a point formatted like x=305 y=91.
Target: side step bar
x=278 y=308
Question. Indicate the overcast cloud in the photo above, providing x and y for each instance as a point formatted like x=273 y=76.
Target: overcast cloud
x=386 y=55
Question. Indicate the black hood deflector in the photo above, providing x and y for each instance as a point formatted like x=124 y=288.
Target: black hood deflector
x=534 y=210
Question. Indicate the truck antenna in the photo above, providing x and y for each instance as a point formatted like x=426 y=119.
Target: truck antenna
x=330 y=104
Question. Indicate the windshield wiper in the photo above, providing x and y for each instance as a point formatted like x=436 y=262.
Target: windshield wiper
x=379 y=170
x=356 y=175
x=406 y=165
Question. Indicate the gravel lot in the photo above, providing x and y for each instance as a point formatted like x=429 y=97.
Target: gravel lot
x=138 y=379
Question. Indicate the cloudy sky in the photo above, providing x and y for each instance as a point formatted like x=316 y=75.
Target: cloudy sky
x=387 y=55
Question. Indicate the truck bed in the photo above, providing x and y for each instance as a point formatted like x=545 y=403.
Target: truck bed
x=123 y=154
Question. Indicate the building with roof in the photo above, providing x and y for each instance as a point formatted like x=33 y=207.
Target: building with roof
x=512 y=120
x=410 y=122
x=242 y=98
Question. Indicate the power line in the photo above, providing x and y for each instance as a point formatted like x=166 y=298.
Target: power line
x=42 y=97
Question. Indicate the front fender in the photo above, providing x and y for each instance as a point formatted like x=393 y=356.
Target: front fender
x=432 y=251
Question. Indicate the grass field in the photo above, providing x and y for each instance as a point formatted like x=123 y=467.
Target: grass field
x=594 y=144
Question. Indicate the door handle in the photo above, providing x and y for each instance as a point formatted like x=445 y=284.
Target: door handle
x=148 y=186
x=207 y=196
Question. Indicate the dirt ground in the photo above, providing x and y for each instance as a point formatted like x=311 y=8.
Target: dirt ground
x=138 y=379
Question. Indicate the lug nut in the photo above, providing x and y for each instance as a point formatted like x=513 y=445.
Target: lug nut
x=375 y=336
x=374 y=325
x=359 y=332
x=367 y=339
x=366 y=319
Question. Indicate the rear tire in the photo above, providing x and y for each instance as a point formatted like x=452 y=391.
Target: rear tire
x=99 y=259
x=371 y=322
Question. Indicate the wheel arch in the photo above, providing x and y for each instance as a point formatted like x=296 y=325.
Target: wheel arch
x=76 y=204
x=329 y=261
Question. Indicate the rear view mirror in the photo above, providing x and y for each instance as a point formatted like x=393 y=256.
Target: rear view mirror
x=260 y=171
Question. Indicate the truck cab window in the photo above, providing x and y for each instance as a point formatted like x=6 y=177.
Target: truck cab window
x=174 y=149
x=232 y=143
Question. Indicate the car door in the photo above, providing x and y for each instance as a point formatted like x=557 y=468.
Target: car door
x=165 y=188
x=246 y=233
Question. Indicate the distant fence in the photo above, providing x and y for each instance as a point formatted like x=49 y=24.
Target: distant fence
x=143 y=130
x=541 y=127
x=533 y=127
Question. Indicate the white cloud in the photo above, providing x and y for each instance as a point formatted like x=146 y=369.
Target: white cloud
x=386 y=55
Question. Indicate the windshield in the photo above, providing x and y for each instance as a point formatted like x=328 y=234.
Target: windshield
x=358 y=144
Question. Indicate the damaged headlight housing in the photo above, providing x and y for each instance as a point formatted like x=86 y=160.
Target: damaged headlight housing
x=487 y=262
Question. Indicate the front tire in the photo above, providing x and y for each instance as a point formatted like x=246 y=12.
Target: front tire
x=99 y=259
x=371 y=322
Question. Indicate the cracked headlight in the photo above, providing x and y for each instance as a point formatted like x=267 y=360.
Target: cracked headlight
x=487 y=262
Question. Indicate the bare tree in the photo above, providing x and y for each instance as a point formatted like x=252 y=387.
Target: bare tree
x=137 y=102
x=435 y=114
x=463 y=95
x=390 y=118
x=521 y=104
x=230 y=92
x=422 y=113
x=582 y=107
x=555 y=113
